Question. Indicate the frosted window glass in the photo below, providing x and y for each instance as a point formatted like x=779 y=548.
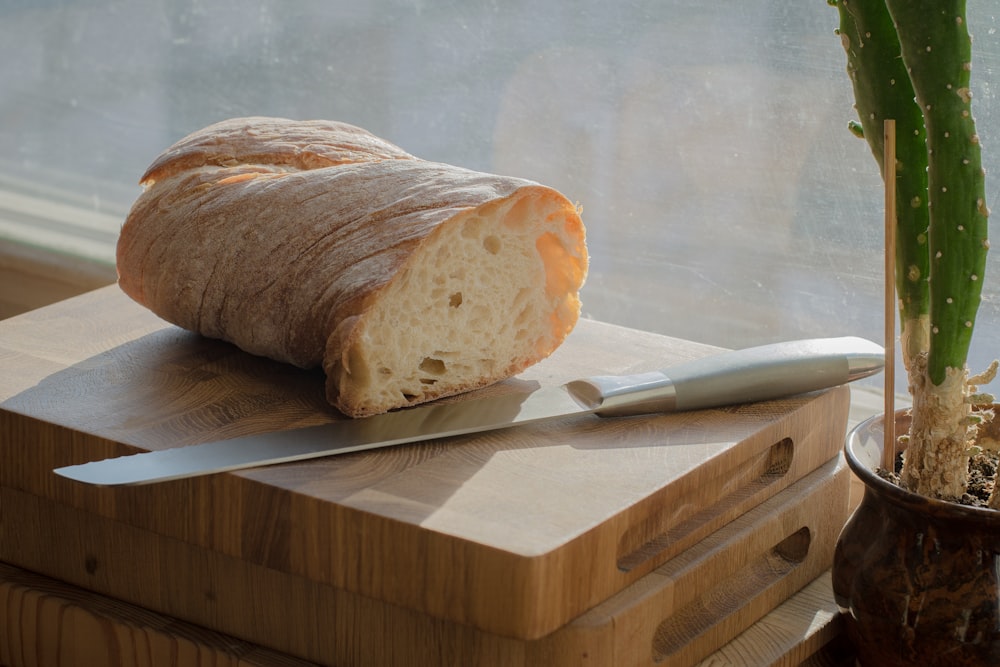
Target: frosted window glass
x=706 y=141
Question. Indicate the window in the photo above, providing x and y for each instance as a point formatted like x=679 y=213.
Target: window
x=725 y=200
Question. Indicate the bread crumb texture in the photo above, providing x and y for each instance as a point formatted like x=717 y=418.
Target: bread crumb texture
x=318 y=244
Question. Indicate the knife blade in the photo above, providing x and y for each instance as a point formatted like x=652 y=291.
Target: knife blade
x=752 y=374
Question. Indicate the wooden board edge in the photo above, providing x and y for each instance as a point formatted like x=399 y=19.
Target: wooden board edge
x=44 y=622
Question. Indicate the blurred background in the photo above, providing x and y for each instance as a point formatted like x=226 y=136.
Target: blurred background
x=724 y=198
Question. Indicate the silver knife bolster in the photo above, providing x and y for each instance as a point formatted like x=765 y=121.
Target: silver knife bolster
x=622 y=395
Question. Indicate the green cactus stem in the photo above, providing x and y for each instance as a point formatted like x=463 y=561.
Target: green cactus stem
x=937 y=50
x=911 y=60
x=882 y=90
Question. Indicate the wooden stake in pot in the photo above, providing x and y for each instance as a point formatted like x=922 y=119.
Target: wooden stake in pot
x=889 y=166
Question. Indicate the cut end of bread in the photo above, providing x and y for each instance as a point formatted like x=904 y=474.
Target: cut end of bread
x=492 y=291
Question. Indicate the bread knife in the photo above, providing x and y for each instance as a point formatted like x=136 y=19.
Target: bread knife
x=753 y=374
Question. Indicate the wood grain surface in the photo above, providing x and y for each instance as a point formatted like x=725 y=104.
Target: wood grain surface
x=47 y=623
x=806 y=629
x=514 y=533
x=701 y=605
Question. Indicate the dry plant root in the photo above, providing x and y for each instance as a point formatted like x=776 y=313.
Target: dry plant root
x=943 y=433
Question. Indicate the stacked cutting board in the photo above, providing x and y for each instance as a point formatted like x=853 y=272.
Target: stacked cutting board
x=624 y=541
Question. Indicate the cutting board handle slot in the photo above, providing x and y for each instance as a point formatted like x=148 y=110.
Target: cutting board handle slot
x=670 y=529
x=730 y=595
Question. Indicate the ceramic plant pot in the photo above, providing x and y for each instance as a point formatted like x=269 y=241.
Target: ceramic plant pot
x=916 y=578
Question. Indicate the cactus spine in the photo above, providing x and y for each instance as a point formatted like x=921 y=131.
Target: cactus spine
x=911 y=60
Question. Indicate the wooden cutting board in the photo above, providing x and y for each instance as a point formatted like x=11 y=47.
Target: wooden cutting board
x=514 y=533
x=687 y=608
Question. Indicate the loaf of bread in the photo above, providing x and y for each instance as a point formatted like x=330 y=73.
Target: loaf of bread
x=318 y=244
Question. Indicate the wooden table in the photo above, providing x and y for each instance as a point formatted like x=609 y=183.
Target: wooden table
x=548 y=544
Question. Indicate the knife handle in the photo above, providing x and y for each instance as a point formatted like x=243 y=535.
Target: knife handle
x=740 y=376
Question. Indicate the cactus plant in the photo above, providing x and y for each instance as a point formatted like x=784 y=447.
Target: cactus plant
x=910 y=61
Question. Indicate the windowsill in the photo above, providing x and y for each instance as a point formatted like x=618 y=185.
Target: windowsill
x=52 y=246
x=32 y=277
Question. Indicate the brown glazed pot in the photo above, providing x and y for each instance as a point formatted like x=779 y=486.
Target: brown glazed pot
x=916 y=578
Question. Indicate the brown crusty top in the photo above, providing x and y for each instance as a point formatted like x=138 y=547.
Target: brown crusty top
x=278 y=142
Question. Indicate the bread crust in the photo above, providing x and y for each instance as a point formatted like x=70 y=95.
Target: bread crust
x=280 y=142
x=279 y=236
